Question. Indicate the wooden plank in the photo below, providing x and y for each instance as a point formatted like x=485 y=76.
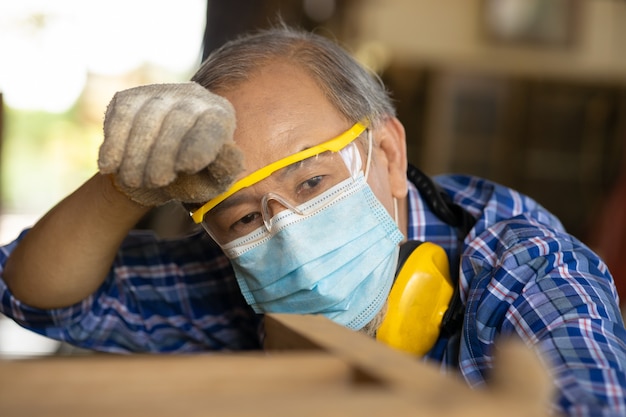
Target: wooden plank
x=294 y=371
x=243 y=403
x=421 y=383
x=373 y=360
x=102 y=381
x=326 y=370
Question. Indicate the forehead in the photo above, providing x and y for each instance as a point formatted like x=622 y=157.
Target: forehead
x=281 y=110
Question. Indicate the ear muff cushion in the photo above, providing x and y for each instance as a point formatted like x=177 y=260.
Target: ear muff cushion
x=418 y=300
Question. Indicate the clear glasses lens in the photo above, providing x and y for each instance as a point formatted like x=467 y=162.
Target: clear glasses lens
x=286 y=189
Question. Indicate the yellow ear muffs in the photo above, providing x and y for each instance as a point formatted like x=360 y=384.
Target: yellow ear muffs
x=418 y=301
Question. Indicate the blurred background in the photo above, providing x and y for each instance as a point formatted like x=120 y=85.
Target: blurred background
x=529 y=93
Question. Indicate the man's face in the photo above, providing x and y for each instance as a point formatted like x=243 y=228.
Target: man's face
x=280 y=111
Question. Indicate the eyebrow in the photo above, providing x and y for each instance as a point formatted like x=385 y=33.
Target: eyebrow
x=334 y=145
x=297 y=165
x=239 y=197
x=234 y=200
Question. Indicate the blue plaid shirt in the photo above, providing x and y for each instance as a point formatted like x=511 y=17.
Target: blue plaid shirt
x=520 y=274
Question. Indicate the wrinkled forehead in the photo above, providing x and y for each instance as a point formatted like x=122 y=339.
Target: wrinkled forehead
x=280 y=110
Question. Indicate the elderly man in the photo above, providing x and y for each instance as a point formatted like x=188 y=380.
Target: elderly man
x=305 y=203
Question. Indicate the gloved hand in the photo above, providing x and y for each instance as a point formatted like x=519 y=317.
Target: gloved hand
x=167 y=142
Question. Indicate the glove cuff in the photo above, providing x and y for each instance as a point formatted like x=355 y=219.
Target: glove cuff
x=142 y=196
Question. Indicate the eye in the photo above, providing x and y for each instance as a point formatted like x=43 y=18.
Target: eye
x=247 y=223
x=311 y=183
x=309 y=187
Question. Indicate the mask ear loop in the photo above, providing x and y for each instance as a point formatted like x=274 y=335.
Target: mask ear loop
x=395 y=210
x=369 y=153
x=368 y=163
x=367 y=171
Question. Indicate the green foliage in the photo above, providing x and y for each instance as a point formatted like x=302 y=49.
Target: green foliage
x=44 y=157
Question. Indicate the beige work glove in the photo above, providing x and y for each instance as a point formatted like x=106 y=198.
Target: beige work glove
x=166 y=142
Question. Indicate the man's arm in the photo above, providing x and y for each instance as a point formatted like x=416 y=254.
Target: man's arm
x=162 y=142
x=548 y=288
x=68 y=253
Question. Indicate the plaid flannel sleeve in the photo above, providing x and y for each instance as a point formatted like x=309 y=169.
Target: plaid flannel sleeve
x=548 y=288
x=160 y=296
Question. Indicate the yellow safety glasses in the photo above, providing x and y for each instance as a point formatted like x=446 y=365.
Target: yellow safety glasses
x=333 y=145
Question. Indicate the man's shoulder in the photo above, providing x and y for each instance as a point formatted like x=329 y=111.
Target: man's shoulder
x=491 y=200
x=472 y=186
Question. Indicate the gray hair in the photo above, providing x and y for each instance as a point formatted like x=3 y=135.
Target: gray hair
x=353 y=90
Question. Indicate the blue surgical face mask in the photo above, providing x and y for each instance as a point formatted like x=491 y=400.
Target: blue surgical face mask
x=337 y=260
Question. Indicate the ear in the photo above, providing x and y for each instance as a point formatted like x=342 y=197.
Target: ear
x=391 y=139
